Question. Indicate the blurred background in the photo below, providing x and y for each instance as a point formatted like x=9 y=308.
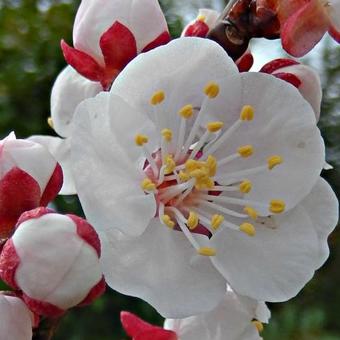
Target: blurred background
x=30 y=60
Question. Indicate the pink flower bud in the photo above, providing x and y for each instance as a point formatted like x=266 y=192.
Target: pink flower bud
x=29 y=177
x=16 y=319
x=54 y=260
x=303 y=77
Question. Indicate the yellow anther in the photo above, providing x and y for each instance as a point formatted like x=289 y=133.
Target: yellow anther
x=50 y=122
x=247 y=113
x=183 y=176
x=248 y=229
x=141 y=140
x=201 y=18
x=199 y=173
x=246 y=186
x=214 y=126
x=277 y=206
x=211 y=163
x=186 y=111
x=168 y=221
x=274 y=161
x=192 y=221
x=216 y=221
x=157 y=98
x=148 y=185
x=206 y=251
x=191 y=165
x=245 y=151
x=258 y=325
x=167 y=134
x=170 y=164
x=204 y=183
x=212 y=90
x=251 y=212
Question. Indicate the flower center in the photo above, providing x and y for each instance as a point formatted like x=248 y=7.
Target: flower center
x=192 y=195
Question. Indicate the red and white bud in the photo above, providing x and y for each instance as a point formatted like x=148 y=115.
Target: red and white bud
x=16 y=320
x=204 y=22
x=54 y=260
x=29 y=177
x=303 y=77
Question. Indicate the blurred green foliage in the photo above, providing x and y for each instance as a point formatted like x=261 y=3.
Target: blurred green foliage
x=30 y=59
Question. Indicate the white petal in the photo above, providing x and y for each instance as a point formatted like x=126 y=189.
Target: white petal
x=228 y=321
x=61 y=150
x=258 y=309
x=335 y=13
x=310 y=87
x=284 y=125
x=181 y=69
x=156 y=267
x=323 y=209
x=63 y=280
x=144 y=18
x=274 y=264
x=16 y=319
x=105 y=162
x=30 y=157
x=69 y=89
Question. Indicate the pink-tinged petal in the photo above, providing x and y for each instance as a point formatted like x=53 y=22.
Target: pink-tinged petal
x=197 y=29
x=289 y=78
x=304 y=29
x=334 y=14
x=18 y=192
x=43 y=308
x=162 y=39
x=82 y=62
x=335 y=34
x=277 y=64
x=156 y=334
x=9 y=262
x=95 y=292
x=245 y=62
x=53 y=186
x=118 y=46
x=133 y=325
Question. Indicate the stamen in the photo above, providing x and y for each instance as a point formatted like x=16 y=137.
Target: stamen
x=168 y=221
x=248 y=229
x=216 y=221
x=212 y=90
x=167 y=135
x=214 y=126
x=219 y=208
x=206 y=251
x=169 y=193
x=170 y=164
x=274 y=161
x=258 y=325
x=192 y=221
x=247 y=113
x=211 y=163
x=183 y=176
x=140 y=140
x=201 y=18
x=167 y=138
x=246 y=186
x=157 y=98
x=186 y=111
x=251 y=212
x=245 y=151
x=50 y=122
x=148 y=185
x=277 y=206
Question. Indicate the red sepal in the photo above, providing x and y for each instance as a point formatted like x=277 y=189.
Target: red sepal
x=95 y=293
x=18 y=192
x=9 y=262
x=245 y=62
x=34 y=213
x=334 y=34
x=156 y=334
x=82 y=62
x=86 y=232
x=289 y=78
x=133 y=325
x=277 y=64
x=42 y=308
x=197 y=29
x=162 y=39
x=53 y=186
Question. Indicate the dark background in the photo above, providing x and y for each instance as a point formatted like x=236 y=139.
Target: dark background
x=30 y=60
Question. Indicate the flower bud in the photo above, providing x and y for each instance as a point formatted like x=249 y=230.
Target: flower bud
x=54 y=260
x=16 y=319
x=29 y=177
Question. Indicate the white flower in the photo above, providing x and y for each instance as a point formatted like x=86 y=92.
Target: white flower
x=195 y=175
x=29 y=178
x=54 y=260
x=16 y=319
x=231 y=319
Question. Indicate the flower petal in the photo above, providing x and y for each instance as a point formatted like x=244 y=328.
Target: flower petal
x=274 y=264
x=334 y=13
x=157 y=268
x=61 y=151
x=69 y=89
x=105 y=164
x=284 y=125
